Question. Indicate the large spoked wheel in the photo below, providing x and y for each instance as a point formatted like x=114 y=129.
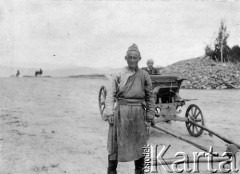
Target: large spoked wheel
x=194 y=114
x=102 y=99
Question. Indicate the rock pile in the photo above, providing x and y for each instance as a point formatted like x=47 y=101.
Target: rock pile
x=203 y=73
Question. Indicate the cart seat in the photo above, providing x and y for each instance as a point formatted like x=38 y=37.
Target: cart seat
x=164 y=81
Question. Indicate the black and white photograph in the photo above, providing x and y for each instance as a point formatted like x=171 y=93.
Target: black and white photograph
x=119 y=86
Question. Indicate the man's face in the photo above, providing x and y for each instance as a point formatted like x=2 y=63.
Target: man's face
x=150 y=65
x=132 y=59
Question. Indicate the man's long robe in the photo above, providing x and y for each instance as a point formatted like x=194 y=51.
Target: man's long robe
x=128 y=134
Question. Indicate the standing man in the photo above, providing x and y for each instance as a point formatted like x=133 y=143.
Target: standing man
x=129 y=122
x=150 y=69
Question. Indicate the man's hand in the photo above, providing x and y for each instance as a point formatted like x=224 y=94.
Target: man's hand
x=111 y=119
x=150 y=122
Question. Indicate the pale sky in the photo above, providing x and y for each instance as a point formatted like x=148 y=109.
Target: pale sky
x=97 y=33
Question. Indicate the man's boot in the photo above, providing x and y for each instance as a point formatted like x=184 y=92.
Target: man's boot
x=112 y=166
x=139 y=166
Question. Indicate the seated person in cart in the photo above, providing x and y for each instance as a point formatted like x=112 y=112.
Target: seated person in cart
x=129 y=123
x=150 y=69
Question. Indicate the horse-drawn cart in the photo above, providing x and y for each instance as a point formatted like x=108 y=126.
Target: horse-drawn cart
x=167 y=103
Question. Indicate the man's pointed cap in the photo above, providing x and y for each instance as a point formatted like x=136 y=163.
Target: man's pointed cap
x=133 y=47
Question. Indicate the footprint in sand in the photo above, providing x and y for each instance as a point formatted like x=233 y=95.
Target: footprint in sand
x=44 y=168
x=5 y=116
x=12 y=122
x=40 y=169
x=54 y=165
x=18 y=123
x=17 y=132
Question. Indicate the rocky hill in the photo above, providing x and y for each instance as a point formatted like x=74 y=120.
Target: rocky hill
x=203 y=73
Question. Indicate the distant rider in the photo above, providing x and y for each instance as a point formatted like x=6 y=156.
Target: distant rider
x=18 y=73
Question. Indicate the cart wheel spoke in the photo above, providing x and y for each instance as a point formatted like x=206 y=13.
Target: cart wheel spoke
x=189 y=125
x=196 y=129
x=191 y=117
x=194 y=115
x=192 y=112
x=102 y=98
x=188 y=115
x=197 y=114
x=193 y=128
x=198 y=120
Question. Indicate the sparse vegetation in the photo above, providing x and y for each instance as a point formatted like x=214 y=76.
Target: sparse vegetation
x=222 y=52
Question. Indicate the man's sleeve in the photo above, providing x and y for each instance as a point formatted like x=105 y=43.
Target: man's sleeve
x=149 y=99
x=111 y=92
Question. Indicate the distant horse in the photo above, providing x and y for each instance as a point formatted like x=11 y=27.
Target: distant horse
x=38 y=73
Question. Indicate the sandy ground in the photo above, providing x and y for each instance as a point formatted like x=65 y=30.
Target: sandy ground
x=53 y=126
